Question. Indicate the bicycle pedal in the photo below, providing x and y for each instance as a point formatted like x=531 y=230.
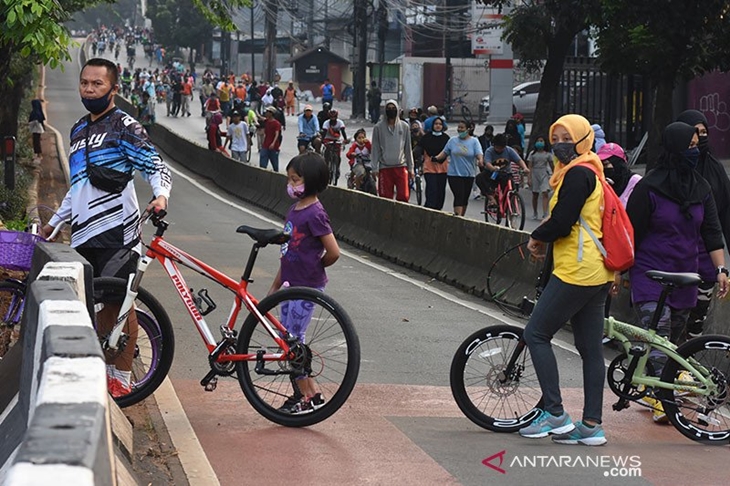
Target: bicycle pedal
x=212 y=384
x=621 y=405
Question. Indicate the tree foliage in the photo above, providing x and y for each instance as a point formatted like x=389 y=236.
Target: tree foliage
x=178 y=23
x=220 y=12
x=541 y=33
x=665 y=42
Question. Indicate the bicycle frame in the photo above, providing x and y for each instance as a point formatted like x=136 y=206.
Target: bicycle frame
x=169 y=257
x=501 y=194
x=625 y=334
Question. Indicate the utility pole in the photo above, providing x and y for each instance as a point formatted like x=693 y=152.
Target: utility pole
x=382 y=16
x=272 y=12
x=253 y=50
x=359 y=105
x=447 y=53
x=310 y=24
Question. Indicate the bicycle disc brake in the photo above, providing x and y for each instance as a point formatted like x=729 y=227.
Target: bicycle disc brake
x=301 y=359
x=620 y=384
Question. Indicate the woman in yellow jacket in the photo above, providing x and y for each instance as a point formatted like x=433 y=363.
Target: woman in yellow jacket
x=577 y=288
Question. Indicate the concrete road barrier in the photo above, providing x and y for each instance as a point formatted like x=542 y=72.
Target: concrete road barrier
x=57 y=427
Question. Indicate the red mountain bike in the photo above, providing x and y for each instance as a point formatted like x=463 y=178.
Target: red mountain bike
x=266 y=357
x=509 y=204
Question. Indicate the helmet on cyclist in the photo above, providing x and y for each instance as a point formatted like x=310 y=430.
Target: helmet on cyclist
x=334 y=113
x=326 y=106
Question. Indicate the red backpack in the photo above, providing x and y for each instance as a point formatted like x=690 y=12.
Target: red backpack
x=617 y=244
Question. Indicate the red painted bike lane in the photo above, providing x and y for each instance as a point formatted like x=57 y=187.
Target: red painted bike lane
x=400 y=434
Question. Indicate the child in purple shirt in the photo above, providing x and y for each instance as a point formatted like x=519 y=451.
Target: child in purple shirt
x=311 y=248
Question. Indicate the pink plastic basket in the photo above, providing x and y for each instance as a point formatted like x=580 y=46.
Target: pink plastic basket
x=16 y=249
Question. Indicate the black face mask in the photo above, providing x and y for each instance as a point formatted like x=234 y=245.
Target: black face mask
x=391 y=113
x=567 y=151
x=97 y=106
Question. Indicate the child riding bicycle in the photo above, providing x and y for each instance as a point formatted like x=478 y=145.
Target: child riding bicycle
x=500 y=161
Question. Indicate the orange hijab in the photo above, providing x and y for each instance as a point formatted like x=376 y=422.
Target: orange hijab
x=580 y=131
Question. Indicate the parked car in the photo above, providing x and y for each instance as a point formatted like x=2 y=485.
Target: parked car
x=524 y=100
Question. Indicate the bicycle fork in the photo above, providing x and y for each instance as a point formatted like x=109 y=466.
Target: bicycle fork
x=127 y=305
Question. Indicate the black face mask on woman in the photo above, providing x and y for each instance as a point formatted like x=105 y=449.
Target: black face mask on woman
x=566 y=151
x=391 y=113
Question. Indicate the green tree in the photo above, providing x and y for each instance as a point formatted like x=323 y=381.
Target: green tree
x=541 y=33
x=178 y=23
x=666 y=42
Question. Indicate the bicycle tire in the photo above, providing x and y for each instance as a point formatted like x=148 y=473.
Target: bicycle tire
x=419 y=190
x=712 y=425
x=335 y=370
x=466 y=114
x=331 y=160
x=515 y=217
x=491 y=213
x=248 y=153
x=476 y=386
x=504 y=284
x=155 y=346
x=12 y=303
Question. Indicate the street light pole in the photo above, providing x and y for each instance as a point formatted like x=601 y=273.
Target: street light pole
x=253 y=50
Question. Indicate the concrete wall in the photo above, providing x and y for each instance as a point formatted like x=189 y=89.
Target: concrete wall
x=57 y=428
x=455 y=250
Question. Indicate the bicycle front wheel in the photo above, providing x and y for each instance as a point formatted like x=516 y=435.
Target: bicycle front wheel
x=515 y=217
x=331 y=356
x=493 y=380
x=12 y=302
x=155 y=344
x=419 y=190
x=703 y=418
x=466 y=113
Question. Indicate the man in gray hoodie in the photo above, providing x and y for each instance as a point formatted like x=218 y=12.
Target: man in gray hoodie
x=392 y=159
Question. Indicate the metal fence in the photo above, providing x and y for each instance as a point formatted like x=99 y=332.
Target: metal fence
x=617 y=103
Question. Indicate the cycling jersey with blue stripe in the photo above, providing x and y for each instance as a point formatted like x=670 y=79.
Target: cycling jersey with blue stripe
x=101 y=219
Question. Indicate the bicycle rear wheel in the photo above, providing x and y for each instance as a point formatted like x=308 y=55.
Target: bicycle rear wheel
x=505 y=281
x=419 y=190
x=515 y=217
x=12 y=302
x=466 y=113
x=701 y=418
x=493 y=380
x=155 y=344
x=332 y=357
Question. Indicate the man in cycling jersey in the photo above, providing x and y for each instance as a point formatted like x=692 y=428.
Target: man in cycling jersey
x=332 y=129
x=104 y=224
x=498 y=156
x=308 y=129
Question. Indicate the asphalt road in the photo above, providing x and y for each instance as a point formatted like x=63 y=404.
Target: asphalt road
x=401 y=425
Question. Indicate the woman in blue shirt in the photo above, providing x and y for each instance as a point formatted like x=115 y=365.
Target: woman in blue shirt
x=465 y=155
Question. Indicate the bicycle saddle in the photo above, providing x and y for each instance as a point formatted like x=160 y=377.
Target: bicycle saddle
x=674 y=279
x=264 y=236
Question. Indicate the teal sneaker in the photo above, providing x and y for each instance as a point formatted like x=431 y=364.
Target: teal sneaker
x=582 y=434
x=547 y=423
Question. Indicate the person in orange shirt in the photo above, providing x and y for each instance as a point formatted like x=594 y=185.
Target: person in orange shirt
x=290 y=96
x=187 y=95
x=240 y=91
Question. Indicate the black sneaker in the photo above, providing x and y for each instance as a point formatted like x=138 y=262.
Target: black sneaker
x=292 y=403
x=316 y=401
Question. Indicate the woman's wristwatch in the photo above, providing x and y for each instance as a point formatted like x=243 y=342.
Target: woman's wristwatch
x=721 y=269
